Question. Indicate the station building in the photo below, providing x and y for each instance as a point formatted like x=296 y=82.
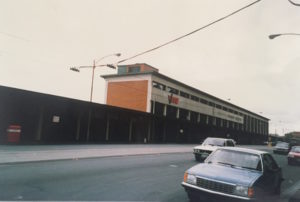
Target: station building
x=180 y=112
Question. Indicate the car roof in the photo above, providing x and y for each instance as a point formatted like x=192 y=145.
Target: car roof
x=247 y=150
x=218 y=138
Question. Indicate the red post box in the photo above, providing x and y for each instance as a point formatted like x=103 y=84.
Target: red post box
x=13 y=133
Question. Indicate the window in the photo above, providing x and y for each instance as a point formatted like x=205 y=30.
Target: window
x=122 y=70
x=172 y=90
x=269 y=163
x=158 y=85
x=184 y=94
x=203 y=101
x=134 y=69
x=195 y=98
x=230 y=143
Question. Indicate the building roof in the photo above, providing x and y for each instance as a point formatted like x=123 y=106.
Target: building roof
x=181 y=84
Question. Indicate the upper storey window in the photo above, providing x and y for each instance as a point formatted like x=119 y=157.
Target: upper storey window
x=158 y=85
x=134 y=69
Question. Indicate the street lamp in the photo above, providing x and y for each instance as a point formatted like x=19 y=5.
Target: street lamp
x=272 y=36
x=77 y=69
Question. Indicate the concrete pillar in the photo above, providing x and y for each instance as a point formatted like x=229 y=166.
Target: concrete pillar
x=198 y=118
x=89 y=125
x=189 y=116
x=149 y=130
x=40 y=124
x=107 y=128
x=130 y=129
x=165 y=110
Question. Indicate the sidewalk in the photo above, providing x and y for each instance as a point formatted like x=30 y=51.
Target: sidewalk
x=33 y=153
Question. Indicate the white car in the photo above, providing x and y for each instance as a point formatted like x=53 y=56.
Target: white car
x=209 y=145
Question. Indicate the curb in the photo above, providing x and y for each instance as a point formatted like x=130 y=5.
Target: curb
x=88 y=157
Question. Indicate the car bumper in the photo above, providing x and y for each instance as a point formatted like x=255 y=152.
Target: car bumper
x=209 y=195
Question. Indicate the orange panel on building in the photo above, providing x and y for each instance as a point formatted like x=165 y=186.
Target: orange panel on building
x=128 y=94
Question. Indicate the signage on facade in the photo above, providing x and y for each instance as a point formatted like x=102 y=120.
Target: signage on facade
x=173 y=100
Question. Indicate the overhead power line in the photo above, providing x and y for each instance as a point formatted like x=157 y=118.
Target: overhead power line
x=188 y=34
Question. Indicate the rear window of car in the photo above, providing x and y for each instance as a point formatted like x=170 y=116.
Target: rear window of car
x=236 y=159
x=282 y=144
x=296 y=149
x=214 y=142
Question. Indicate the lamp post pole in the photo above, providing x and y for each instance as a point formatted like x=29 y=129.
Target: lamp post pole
x=77 y=69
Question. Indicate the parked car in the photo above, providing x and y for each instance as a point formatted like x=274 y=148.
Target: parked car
x=209 y=145
x=282 y=148
x=233 y=173
x=294 y=155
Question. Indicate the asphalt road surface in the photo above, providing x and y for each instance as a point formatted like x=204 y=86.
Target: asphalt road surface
x=128 y=178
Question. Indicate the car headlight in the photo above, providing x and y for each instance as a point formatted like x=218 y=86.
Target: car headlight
x=191 y=179
x=244 y=191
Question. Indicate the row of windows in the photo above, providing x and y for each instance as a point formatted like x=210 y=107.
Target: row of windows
x=192 y=97
x=250 y=124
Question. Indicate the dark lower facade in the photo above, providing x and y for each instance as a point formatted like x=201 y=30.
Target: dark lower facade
x=48 y=119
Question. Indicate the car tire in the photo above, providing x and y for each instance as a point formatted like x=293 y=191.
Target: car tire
x=290 y=162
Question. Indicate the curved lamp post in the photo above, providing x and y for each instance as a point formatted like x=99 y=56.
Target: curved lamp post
x=273 y=36
x=77 y=69
x=295 y=4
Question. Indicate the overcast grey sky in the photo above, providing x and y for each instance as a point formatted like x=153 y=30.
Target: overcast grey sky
x=233 y=59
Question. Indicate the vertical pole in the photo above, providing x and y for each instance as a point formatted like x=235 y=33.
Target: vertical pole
x=92 y=85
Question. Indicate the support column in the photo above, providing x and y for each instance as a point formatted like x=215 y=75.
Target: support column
x=40 y=124
x=89 y=125
x=130 y=129
x=177 y=113
x=149 y=130
x=165 y=110
x=107 y=128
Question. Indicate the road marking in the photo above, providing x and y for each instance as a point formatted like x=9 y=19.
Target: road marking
x=173 y=166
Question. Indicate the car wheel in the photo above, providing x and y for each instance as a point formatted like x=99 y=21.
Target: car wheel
x=290 y=161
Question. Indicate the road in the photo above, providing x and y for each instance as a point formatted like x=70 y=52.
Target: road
x=128 y=178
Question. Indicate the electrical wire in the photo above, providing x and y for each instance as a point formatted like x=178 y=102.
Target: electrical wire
x=188 y=34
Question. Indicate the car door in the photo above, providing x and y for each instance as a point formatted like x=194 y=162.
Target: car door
x=271 y=173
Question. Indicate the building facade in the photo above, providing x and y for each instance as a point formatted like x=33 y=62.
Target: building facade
x=181 y=111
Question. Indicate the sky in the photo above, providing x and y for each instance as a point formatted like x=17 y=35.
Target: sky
x=233 y=59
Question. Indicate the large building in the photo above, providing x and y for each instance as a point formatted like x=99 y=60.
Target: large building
x=181 y=112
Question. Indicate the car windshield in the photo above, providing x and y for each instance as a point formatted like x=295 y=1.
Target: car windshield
x=282 y=144
x=236 y=159
x=214 y=142
x=296 y=149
